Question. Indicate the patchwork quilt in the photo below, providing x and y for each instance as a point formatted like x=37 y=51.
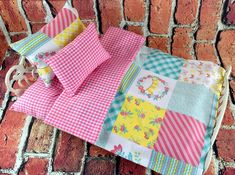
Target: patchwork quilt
x=161 y=117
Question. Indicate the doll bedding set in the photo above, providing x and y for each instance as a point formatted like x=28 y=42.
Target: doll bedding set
x=147 y=106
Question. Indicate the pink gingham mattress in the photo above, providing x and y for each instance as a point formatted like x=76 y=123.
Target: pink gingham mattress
x=83 y=114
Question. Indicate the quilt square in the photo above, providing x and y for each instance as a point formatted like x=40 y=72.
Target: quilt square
x=152 y=87
x=193 y=100
x=139 y=121
x=181 y=137
x=203 y=72
x=163 y=64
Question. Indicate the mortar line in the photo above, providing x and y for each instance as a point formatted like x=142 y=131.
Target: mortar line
x=20 y=159
x=133 y=23
x=195 y=28
x=82 y=167
x=47 y=9
x=52 y=150
x=4 y=30
x=171 y=27
x=123 y=21
x=97 y=17
x=146 y=19
x=36 y=155
x=22 y=12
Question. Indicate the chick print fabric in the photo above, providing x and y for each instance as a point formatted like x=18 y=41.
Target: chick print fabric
x=139 y=121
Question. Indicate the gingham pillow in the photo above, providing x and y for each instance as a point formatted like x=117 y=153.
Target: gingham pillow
x=76 y=61
x=37 y=100
x=52 y=37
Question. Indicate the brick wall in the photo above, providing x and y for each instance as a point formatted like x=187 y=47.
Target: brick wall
x=195 y=29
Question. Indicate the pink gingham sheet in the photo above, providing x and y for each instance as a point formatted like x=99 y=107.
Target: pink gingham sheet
x=83 y=114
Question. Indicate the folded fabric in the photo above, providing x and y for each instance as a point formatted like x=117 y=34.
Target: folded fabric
x=37 y=100
x=77 y=60
x=83 y=114
x=52 y=37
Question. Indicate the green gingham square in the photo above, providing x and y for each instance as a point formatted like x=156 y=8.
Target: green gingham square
x=164 y=64
x=113 y=111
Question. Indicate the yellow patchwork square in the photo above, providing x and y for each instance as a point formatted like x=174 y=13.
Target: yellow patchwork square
x=139 y=121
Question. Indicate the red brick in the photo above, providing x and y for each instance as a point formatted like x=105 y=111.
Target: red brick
x=36 y=26
x=211 y=170
x=18 y=37
x=228 y=117
x=57 y=5
x=208 y=23
x=40 y=137
x=134 y=10
x=96 y=151
x=35 y=166
x=110 y=13
x=30 y=7
x=136 y=29
x=182 y=43
x=230 y=17
x=229 y=171
x=205 y=52
x=127 y=168
x=11 y=16
x=226 y=47
x=158 y=43
x=85 y=8
x=99 y=167
x=186 y=11
x=10 y=133
x=4 y=46
x=225 y=144
x=10 y=60
x=160 y=13
x=69 y=153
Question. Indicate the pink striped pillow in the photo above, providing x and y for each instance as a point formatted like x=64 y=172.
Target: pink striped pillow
x=76 y=61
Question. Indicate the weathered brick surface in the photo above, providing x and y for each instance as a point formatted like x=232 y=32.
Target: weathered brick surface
x=57 y=5
x=131 y=7
x=4 y=46
x=208 y=23
x=182 y=43
x=40 y=137
x=30 y=7
x=228 y=117
x=127 y=167
x=99 y=167
x=158 y=43
x=36 y=26
x=10 y=132
x=186 y=11
x=69 y=153
x=35 y=166
x=225 y=144
x=205 y=52
x=160 y=12
x=110 y=13
x=13 y=19
x=85 y=8
x=136 y=29
x=18 y=37
x=226 y=47
x=228 y=171
x=230 y=14
x=96 y=151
